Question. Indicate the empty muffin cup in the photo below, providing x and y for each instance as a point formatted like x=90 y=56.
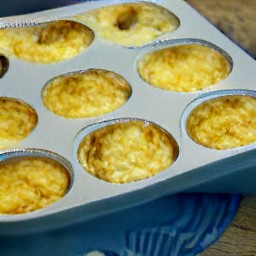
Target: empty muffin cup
x=86 y=94
x=127 y=150
x=224 y=122
x=46 y=43
x=130 y=24
x=184 y=67
x=31 y=180
x=17 y=121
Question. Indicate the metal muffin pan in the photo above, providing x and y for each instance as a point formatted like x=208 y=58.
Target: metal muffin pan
x=196 y=168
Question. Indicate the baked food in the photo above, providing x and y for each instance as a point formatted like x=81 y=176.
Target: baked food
x=184 y=68
x=127 y=151
x=224 y=122
x=17 y=120
x=4 y=64
x=31 y=183
x=130 y=24
x=86 y=94
x=46 y=43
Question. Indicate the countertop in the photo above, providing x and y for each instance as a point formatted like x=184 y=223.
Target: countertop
x=237 y=20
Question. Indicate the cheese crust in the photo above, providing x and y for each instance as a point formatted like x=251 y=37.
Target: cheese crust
x=86 y=94
x=31 y=183
x=46 y=43
x=184 y=68
x=224 y=122
x=127 y=152
x=17 y=121
x=130 y=24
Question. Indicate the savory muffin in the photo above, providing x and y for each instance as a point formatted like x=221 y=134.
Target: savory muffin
x=46 y=43
x=130 y=24
x=224 y=122
x=184 y=68
x=31 y=183
x=86 y=94
x=17 y=120
x=127 y=151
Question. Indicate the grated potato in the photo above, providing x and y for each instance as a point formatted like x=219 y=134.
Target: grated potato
x=130 y=24
x=127 y=152
x=31 y=183
x=17 y=120
x=224 y=122
x=86 y=94
x=184 y=68
x=46 y=43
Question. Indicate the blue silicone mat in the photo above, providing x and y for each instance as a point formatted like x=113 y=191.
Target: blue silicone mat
x=176 y=225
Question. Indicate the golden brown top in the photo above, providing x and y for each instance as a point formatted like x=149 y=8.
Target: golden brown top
x=127 y=152
x=17 y=120
x=130 y=24
x=46 y=43
x=184 y=68
x=31 y=183
x=86 y=94
x=224 y=122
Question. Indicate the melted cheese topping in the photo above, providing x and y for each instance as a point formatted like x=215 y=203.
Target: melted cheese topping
x=130 y=24
x=86 y=94
x=17 y=120
x=31 y=183
x=184 y=68
x=127 y=152
x=225 y=122
x=46 y=43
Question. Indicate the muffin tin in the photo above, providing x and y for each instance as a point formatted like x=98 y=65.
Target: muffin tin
x=196 y=168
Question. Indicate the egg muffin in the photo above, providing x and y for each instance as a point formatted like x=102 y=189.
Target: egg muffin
x=127 y=151
x=224 y=122
x=130 y=24
x=184 y=68
x=31 y=183
x=86 y=94
x=17 y=121
x=46 y=43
